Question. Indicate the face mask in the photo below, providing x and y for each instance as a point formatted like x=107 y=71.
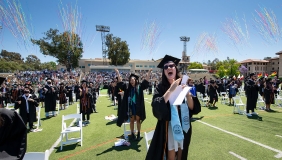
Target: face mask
x=26 y=92
x=48 y=82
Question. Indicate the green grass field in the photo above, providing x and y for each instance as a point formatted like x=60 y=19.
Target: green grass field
x=217 y=134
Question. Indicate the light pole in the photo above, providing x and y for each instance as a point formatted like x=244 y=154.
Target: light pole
x=103 y=29
x=184 y=56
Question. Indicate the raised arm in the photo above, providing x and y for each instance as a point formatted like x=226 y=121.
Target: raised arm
x=148 y=75
x=118 y=75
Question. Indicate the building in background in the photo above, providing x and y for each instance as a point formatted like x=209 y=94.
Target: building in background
x=96 y=64
x=266 y=66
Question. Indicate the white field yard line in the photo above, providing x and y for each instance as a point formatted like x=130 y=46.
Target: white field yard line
x=238 y=156
x=279 y=153
x=59 y=140
x=278 y=136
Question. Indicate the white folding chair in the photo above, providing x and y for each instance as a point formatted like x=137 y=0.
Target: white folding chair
x=278 y=100
x=37 y=155
x=128 y=132
x=205 y=100
x=241 y=92
x=66 y=130
x=238 y=103
x=10 y=106
x=148 y=137
x=260 y=102
x=223 y=98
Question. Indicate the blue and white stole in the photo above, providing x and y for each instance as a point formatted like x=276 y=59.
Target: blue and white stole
x=177 y=128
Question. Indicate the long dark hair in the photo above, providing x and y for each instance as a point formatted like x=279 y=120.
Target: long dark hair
x=165 y=83
x=129 y=84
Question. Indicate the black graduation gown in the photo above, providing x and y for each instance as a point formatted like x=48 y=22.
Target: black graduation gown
x=119 y=88
x=12 y=135
x=62 y=96
x=93 y=98
x=252 y=94
x=161 y=110
x=50 y=99
x=87 y=98
x=76 y=91
x=69 y=93
x=140 y=104
x=32 y=108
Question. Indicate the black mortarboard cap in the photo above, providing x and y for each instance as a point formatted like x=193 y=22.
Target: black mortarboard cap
x=84 y=81
x=168 y=58
x=61 y=83
x=135 y=76
x=252 y=74
x=49 y=79
x=2 y=79
x=268 y=80
x=212 y=81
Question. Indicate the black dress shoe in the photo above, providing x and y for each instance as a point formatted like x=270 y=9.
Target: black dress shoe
x=138 y=137
x=133 y=137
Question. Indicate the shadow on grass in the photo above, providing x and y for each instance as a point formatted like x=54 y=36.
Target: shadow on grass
x=255 y=117
x=67 y=147
x=43 y=119
x=110 y=105
x=271 y=111
x=213 y=108
x=111 y=122
x=196 y=118
x=133 y=146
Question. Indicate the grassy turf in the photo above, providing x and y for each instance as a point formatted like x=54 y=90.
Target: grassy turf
x=207 y=142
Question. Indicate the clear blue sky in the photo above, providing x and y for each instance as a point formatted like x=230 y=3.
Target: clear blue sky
x=176 y=18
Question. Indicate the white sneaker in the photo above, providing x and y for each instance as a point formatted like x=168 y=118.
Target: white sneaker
x=249 y=115
x=254 y=113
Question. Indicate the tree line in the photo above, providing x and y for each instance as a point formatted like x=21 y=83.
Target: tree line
x=227 y=67
x=12 y=61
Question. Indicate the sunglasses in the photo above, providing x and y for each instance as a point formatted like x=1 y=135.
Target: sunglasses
x=170 y=66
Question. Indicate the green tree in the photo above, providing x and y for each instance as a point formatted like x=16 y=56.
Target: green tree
x=118 y=51
x=195 y=65
x=221 y=71
x=33 y=61
x=48 y=65
x=11 y=56
x=66 y=47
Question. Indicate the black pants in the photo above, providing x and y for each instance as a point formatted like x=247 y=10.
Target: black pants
x=186 y=143
x=29 y=121
x=87 y=116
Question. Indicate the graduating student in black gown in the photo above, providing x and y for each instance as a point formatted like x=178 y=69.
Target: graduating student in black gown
x=27 y=104
x=94 y=98
x=85 y=101
x=161 y=109
x=133 y=103
x=252 y=89
x=50 y=93
x=69 y=93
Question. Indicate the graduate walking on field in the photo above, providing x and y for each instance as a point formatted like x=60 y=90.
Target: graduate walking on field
x=50 y=93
